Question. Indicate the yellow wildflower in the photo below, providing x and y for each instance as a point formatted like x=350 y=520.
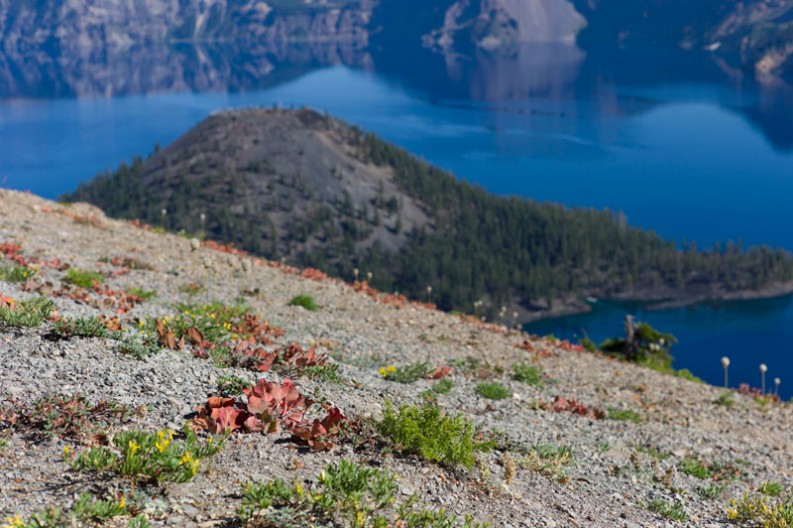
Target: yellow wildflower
x=162 y=445
x=298 y=489
x=188 y=460
x=67 y=451
x=360 y=519
x=14 y=522
x=383 y=372
x=391 y=369
x=122 y=503
x=133 y=447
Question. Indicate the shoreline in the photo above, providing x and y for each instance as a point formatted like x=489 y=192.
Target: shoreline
x=655 y=301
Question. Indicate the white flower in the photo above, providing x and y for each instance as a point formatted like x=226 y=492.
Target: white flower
x=725 y=362
x=777 y=381
x=763 y=368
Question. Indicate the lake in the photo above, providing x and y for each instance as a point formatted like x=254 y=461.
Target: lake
x=681 y=145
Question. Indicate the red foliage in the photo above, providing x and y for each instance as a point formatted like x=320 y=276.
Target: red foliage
x=295 y=356
x=112 y=323
x=270 y=406
x=166 y=337
x=528 y=346
x=13 y=252
x=363 y=286
x=571 y=405
x=391 y=299
x=440 y=372
x=231 y=250
x=425 y=305
x=568 y=346
x=315 y=274
x=7 y=302
x=260 y=331
x=101 y=297
x=140 y=225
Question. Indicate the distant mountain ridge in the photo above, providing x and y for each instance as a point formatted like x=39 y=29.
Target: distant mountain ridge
x=305 y=187
x=757 y=35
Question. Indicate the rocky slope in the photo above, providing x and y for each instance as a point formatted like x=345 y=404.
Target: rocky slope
x=684 y=451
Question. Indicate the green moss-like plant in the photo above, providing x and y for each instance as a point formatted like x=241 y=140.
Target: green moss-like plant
x=426 y=431
x=624 y=415
x=16 y=273
x=672 y=511
x=528 y=374
x=493 y=391
x=83 y=278
x=30 y=313
x=306 y=301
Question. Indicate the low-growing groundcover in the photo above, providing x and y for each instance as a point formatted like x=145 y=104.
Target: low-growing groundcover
x=146 y=457
x=344 y=494
x=449 y=440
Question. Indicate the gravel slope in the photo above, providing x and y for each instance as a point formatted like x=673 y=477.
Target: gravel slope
x=610 y=481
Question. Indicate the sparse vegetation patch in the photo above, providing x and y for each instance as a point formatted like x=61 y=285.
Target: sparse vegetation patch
x=449 y=440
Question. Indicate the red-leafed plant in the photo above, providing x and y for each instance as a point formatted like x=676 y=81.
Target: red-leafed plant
x=271 y=406
x=571 y=405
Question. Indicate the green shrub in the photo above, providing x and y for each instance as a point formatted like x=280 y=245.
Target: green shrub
x=145 y=456
x=673 y=511
x=771 y=489
x=407 y=373
x=260 y=496
x=429 y=433
x=711 y=491
x=140 y=346
x=82 y=327
x=493 y=391
x=344 y=494
x=443 y=386
x=83 y=278
x=74 y=416
x=146 y=295
x=761 y=510
x=694 y=467
x=306 y=301
x=527 y=374
x=87 y=510
x=31 y=312
x=549 y=460
x=232 y=385
x=191 y=289
x=16 y=273
x=624 y=414
x=725 y=399
x=328 y=373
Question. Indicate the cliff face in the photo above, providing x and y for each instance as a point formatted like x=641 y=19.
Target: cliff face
x=79 y=24
x=50 y=41
x=753 y=35
x=499 y=24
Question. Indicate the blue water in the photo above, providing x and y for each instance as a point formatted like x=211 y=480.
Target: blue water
x=749 y=333
x=692 y=158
